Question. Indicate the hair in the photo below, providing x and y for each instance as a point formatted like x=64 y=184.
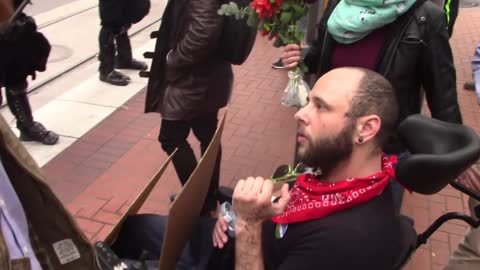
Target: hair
x=375 y=95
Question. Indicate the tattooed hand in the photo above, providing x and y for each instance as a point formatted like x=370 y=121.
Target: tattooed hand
x=252 y=200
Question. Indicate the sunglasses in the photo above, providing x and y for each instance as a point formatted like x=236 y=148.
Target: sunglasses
x=284 y=173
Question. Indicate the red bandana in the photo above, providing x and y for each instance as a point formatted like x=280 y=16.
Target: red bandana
x=314 y=199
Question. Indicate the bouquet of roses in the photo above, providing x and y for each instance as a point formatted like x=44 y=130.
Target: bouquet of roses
x=280 y=21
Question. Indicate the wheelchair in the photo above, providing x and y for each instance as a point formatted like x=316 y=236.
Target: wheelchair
x=438 y=153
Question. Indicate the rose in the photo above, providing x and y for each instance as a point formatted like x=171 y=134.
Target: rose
x=266 y=8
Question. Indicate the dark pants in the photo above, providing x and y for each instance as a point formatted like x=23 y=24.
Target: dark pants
x=109 y=36
x=141 y=238
x=174 y=134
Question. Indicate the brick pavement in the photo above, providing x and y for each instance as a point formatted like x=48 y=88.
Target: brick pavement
x=99 y=175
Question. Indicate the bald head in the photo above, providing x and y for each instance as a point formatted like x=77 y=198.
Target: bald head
x=365 y=92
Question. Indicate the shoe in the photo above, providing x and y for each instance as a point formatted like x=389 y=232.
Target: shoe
x=469 y=86
x=134 y=64
x=37 y=132
x=115 y=78
x=278 y=64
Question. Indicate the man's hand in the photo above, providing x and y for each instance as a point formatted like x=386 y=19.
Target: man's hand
x=219 y=235
x=252 y=203
x=252 y=200
x=291 y=56
x=471 y=178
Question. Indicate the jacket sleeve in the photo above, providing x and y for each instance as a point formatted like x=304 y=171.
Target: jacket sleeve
x=438 y=72
x=201 y=38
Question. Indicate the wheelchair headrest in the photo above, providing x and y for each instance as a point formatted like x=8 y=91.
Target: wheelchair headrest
x=439 y=152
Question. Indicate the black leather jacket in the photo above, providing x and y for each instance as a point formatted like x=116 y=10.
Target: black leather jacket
x=416 y=55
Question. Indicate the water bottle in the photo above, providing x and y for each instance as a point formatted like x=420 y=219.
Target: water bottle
x=228 y=215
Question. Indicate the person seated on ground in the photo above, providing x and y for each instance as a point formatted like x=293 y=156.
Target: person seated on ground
x=467 y=254
x=341 y=218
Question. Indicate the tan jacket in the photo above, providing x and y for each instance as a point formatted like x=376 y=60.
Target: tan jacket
x=57 y=240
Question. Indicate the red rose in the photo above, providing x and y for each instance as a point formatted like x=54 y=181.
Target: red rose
x=266 y=9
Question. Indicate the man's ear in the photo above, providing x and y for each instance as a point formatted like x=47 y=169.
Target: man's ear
x=367 y=128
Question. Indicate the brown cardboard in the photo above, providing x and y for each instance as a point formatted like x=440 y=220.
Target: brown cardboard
x=186 y=208
x=139 y=201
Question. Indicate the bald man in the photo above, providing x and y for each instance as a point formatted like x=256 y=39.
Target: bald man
x=342 y=218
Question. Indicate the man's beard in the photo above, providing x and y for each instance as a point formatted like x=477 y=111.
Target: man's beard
x=327 y=153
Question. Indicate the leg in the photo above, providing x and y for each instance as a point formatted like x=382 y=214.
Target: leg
x=204 y=128
x=467 y=255
x=124 y=49
x=124 y=58
x=141 y=236
x=107 y=49
x=20 y=107
x=174 y=134
x=107 y=56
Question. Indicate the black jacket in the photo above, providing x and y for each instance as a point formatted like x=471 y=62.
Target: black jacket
x=195 y=80
x=118 y=13
x=416 y=54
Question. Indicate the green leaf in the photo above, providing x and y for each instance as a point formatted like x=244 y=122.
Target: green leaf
x=299 y=9
x=299 y=35
x=234 y=6
x=252 y=18
x=285 y=17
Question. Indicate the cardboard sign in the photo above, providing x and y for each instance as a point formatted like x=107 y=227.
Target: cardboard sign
x=185 y=210
x=138 y=202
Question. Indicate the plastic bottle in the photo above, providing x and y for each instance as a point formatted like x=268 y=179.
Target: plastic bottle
x=228 y=215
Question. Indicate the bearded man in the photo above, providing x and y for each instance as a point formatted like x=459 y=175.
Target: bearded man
x=342 y=218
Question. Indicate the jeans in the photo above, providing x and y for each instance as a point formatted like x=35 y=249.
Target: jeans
x=173 y=135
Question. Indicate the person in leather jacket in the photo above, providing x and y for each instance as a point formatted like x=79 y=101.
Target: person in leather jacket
x=188 y=84
x=117 y=16
x=19 y=59
x=412 y=52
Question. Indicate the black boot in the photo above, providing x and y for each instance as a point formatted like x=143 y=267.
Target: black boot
x=123 y=59
x=20 y=107
x=133 y=64
x=115 y=78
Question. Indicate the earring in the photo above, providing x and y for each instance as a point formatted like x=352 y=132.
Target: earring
x=360 y=140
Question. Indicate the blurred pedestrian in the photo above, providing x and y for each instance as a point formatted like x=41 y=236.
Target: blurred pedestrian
x=117 y=16
x=23 y=52
x=189 y=83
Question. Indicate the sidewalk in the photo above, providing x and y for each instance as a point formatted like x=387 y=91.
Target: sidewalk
x=101 y=172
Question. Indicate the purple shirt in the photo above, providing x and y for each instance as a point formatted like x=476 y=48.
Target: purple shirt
x=363 y=53
x=14 y=223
